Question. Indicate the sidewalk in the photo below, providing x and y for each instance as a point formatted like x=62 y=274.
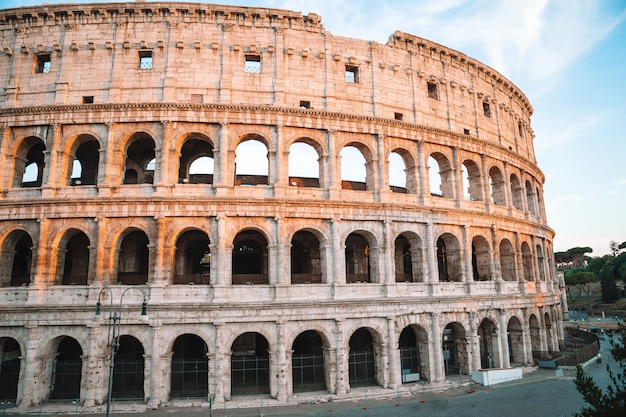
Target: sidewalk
x=302 y=404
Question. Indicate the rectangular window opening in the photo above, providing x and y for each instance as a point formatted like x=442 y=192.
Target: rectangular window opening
x=305 y=104
x=433 y=91
x=486 y=109
x=87 y=99
x=145 y=59
x=520 y=130
x=466 y=131
x=253 y=64
x=398 y=116
x=352 y=74
x=43 y=63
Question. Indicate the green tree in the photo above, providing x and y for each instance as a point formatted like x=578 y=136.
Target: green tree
x=572 y=258
x=610 y=293
x=579 y=282
x=612 y=401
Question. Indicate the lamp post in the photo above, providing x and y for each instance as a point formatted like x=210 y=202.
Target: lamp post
x=113 y=335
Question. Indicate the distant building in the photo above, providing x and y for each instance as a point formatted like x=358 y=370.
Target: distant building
x=121 y=125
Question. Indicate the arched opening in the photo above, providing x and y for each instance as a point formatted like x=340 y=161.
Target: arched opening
x=548 y=324
x=472 y=181
x=481 y=259
x=250 y=365
x=190 y=368
x=196 y=161
x=516 y=192
x=304 y=166
x=192 y=259
x=449 y=258
x=308 y=369
x=128 y=370
x=29 y=163
x=516 y=342
x=354 y=172
x=306 y=262
x=21 y=253
x=440 y=175
x=9 y=368
x=527 y=263
x=398 y=182
x=140 y=163
x=413 y=364
x=454 y=347
x=357 y=256
x=85 y=164
x=488 y=344
x=249 y=263
x=507 y=261
x=251 y=163
x=531 y=199
x=496 y=182
x=67 y=370
x=362 y=359
x=535 y=338
x=76 y=262
x=132 y=266
x=540 y=263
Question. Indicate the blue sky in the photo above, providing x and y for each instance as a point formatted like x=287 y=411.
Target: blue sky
x=569 y=58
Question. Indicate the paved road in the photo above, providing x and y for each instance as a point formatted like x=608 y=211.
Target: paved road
x=539 y=394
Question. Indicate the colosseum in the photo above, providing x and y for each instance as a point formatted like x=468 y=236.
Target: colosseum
x=124 y=183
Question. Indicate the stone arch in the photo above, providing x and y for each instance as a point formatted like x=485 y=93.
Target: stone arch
x=128 y=370
x=408 y=257
x=548 y=329
x=308 y=362
x=361 y=257
x=414 y=354
x=82 y=165
x=17 y=259
x=66 y=368
x=527 y=263
x=189 y=375
x=303 y=170
x=497 y=185
x=139 y=152
x=250 y=258
x=440 y=175
x=449 y=260
x=507 y=261
x=133 y=257
x=541 y=263
x=29 y=163
x=10 y=368
x=531 y=198
x=248 y=169
x=472 y=181
x=192 y=258
x=481 y=259
x=73 y=266
x=410 y=185
x=196 y=154
x=358 y=184
x=515 y=334
x=454 y=345
x=306 y=258
x=535 y=337
x=516 y=192
x=250 y=365
x=364 y=358
x=488 y=343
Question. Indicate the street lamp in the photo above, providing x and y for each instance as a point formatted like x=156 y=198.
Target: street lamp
x=113 y=336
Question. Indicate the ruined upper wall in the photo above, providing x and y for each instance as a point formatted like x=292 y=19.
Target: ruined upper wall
x=198 y=54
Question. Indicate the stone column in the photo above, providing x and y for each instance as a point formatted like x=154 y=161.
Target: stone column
x=466 y=252
x=439 y=374
x=112 y=175
x=51 y=180
x=339 y=269
x=474 y=343
x=431 y=253
x=387 y=256
x=160 y=376
x=486 y=189
x=223 y=157
x=395 y=376
x=282 y=367
x=30 y=388
x=505 y=359
x=528 y=345
x=423 y=192
x=165 y=154
x=333 y=167
x=162 y=272
x=342 y=349
x=219 y=378
x=457 y=178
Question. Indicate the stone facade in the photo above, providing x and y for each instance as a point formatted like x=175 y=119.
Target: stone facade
x=267 y=284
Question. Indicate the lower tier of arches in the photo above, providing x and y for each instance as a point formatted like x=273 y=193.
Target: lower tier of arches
x=175 y=355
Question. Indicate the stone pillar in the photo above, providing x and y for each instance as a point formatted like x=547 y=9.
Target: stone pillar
x=112 y=175
x=387 y=269
x=160 y=376
x=279 y=162
x=219 y=378
x=162 y=272
x=423 y=192
x=342 y=349
x=282 y=367
x=439 y=372
x=31 y=387
x=53 y=158
x=92 y=374
x=457 y=178
x=333 y=167
x=339 y=268
x=165 y=155
x=505 y=358
x=7 y=161
x=528 y=345
x=278 y=252
x=395 y=376
x=222 y=158
x=381 y=171
x=496 y=268
x=486 y=189
x=431 y=254
x=466 y=255
x=474 y=343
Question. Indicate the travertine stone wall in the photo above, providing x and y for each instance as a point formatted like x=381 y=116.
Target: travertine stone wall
x=116 y=85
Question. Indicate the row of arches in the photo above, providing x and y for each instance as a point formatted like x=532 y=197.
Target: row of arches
x=249 y=255
x=312 y=360
x=409 y=167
